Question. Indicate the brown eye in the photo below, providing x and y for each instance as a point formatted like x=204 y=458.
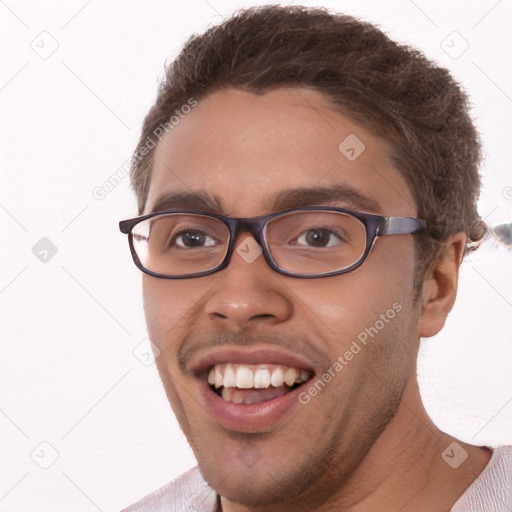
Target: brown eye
x=192 y=239
x=319 y=238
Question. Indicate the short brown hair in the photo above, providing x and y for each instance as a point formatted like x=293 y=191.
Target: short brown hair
x=390 y=89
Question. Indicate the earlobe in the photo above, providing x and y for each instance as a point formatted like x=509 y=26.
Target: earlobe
x=440 y=284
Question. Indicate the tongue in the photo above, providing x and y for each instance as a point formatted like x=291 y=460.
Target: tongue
x=253 y=396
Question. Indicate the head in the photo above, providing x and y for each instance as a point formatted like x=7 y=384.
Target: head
x=391 y=90
x=261 y=104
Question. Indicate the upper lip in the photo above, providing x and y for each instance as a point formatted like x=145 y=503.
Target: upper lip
x=208 y=358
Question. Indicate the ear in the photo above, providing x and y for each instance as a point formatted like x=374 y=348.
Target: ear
x=440 y=286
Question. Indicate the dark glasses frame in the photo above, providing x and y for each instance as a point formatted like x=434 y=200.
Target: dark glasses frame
x=375 y=225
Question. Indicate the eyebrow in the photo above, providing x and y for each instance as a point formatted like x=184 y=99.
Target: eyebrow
x=188 y=200
x=282 y=200
x=341 y=193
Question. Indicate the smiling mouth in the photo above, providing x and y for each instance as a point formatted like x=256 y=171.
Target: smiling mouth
x=253 y=384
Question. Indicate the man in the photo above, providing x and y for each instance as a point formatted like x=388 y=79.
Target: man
x=307 y=190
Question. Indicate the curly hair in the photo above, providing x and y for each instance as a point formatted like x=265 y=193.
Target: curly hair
x=392 y=90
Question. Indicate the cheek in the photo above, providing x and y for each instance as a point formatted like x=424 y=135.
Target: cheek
x=343 y=306
x=168 y=308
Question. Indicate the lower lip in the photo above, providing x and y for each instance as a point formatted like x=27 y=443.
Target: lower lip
x=251 y=418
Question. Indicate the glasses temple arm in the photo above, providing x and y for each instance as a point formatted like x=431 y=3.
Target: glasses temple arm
x=401 y=226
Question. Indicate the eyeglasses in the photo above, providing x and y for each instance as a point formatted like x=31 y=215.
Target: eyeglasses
x=502 y=231
x=307 y=242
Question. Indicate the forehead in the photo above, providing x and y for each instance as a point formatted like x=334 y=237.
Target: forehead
x=244 y=150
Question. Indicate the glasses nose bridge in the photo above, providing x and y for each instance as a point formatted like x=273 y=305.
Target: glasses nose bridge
x=252 y=225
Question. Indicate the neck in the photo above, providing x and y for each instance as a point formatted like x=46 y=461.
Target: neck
x=404 y=470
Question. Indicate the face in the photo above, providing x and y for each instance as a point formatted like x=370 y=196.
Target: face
x=356 y=333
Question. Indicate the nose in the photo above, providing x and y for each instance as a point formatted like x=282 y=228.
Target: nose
x=249 y=291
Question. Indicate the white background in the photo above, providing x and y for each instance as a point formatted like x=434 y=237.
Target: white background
x=70 y=325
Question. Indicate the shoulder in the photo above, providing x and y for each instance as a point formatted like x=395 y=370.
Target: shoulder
x=187 y=492
x=492 y=490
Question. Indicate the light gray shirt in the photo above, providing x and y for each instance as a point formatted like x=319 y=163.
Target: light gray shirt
x=490 y=492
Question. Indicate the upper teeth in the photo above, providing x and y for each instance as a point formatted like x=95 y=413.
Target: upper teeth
x=258 y=376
